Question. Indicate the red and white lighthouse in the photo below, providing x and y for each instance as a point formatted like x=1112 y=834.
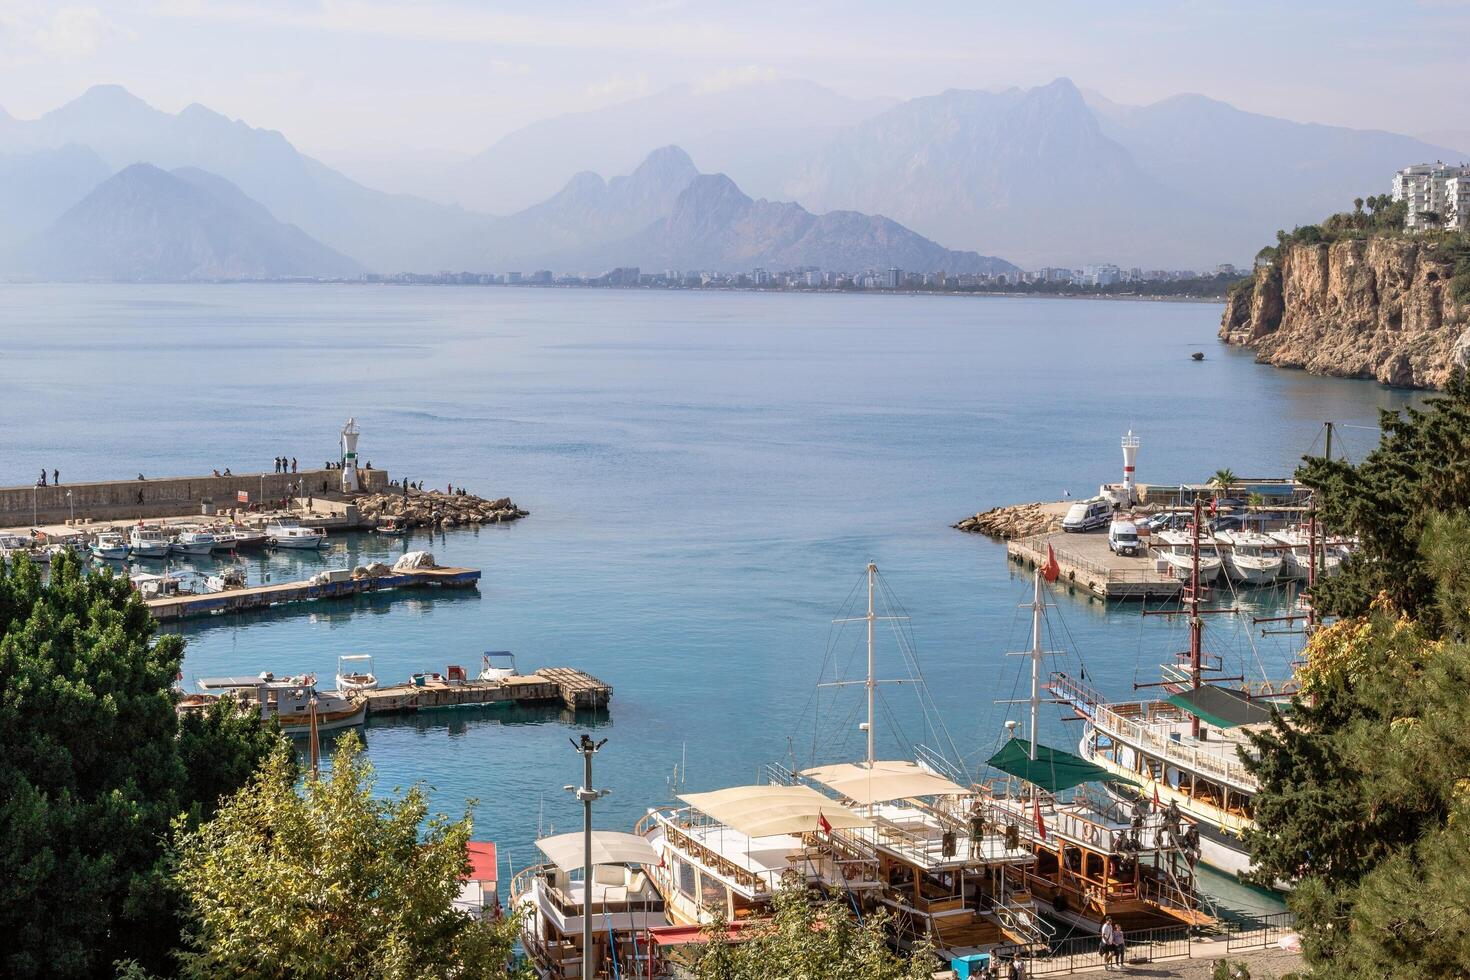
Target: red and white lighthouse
x=1130 y=459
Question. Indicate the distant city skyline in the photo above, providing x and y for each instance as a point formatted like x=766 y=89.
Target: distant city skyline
x=345 y=78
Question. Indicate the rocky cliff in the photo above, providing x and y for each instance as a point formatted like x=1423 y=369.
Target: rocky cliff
x=1376 y=307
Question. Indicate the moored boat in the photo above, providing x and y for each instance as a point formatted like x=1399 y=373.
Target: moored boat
x=1250 y=557
x=1173 y=549
x=497 y=665
x=193 y=541
x=355 y=673
x=148 y=541
x=110 y=546
x=289 y=534
x=289 y=701
x=1296 y=554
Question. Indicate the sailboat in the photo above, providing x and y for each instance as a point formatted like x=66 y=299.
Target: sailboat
x=1096 y=858
x=893 y=833
x=1183 y=750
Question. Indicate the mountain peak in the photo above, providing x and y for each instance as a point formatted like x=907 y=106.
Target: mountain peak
x=105 y=98
x=665 y=166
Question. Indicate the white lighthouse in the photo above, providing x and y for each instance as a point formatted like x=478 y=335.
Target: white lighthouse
x=349 y=456
x=1130 y=459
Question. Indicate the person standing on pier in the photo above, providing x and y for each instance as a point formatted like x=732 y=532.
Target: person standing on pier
x=56 y=478
x=293 y=464
x=278 y=464
x=42 y=481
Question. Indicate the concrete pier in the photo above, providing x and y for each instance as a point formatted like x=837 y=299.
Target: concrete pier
x=1085 y=561
x=265 y=596
x=177 y=496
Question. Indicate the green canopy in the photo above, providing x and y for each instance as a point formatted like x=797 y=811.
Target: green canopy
x=1052 y=769
x=1221 y=706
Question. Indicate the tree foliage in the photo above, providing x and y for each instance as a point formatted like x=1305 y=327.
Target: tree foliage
x=811 y=939
x=94 y=771
x=1364 y=795
x=331 y=882
x=1420 y=468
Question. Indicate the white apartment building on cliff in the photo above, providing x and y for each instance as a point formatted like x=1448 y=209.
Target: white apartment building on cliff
x=1435 y=189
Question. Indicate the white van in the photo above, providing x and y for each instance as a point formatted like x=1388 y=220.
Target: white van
x=1088 y=515
x=1123 y=538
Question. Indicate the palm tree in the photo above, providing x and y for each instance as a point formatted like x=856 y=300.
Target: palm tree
x=1222 y=481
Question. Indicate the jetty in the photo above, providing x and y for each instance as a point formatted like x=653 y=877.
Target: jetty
x=1084 y=560
x=573 y=689
x=340 y=585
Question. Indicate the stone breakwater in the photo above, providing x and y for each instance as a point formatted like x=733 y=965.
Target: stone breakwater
x=1015 y=521
x=1379 y=308
x=434 y=509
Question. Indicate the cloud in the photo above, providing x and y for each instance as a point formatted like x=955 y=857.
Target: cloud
x=619 y=87
x=69 y=33
x=730 y=78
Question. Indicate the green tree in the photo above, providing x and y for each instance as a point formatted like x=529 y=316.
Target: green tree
x=811 y=939
x=94 y=772
x=1222 y=481
x=1420 y=467
x=331 y=882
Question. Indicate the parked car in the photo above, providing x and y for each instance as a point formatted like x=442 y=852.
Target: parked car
x=1088 y=515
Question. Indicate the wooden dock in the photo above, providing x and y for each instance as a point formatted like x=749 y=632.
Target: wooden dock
x=1086 y=562
x=177 y=607
x=550 y=685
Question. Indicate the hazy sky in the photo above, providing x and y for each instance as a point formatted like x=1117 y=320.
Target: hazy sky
x=363 y=76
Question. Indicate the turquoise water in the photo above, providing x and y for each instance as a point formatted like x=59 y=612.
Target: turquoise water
x=707 y=475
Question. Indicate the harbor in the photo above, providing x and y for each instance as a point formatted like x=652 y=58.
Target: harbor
x=338 y=584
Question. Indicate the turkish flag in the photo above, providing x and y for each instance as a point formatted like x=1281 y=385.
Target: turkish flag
x=1051 y=570
x=822 y=823
x=1157 y=804
x=1040 y=823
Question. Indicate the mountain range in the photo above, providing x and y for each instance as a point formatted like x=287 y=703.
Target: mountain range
x=1044 y=176
x=668 y=215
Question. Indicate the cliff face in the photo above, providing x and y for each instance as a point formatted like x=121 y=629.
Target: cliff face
x=1365 y=308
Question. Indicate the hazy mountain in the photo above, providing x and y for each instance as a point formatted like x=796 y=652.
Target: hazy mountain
x=38 y=186
x=385 y=231
x=755 y=132
x=665 y=214
x=1047 y=176
x=144 y=223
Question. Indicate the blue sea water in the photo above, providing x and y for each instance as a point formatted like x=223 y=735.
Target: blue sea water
x=708 y=474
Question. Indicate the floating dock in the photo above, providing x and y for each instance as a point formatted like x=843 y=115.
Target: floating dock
x=571 y=688
x=171 y=608
x=1086 y=562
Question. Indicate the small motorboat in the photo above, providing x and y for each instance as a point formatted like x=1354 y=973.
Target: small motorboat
x=497 y=665
x=225 y=580
x=110 y=546
x=391 y=528
x=289 y=534
x=242 y=537
x=355 y=673
x=148 y=542
x=193 y=541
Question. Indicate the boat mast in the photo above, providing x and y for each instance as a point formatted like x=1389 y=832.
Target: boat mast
x=872 y=683
x=1196 y=624
x=1036 y=655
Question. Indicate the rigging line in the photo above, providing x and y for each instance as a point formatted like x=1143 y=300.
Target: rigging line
x=828 y=657
x=927 y=704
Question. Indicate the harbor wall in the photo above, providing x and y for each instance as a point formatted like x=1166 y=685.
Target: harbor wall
x=167 y=497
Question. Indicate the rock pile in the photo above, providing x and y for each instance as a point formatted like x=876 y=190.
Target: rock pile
x=434 y=509
x=1015 y=521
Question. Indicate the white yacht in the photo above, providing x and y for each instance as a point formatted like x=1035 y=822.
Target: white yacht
x=1296 y=554
x=1174 y=549
x=355 y=673
x=110 y=545
x=148 y=542
x=1250 y=557
x=193 y=541
x=620 y=905
x=289 y=534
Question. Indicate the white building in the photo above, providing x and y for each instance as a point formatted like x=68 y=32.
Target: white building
x=1434 y=188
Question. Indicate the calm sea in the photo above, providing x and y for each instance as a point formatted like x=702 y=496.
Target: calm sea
x=707 y=476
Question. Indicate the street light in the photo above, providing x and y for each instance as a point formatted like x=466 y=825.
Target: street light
x=587 y=794
x=71 y=506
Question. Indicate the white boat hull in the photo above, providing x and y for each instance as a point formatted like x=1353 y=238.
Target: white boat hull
x=153 y=549
x=191 y=548
x=111 y=554
x=348 y=685
x=1252 y=573
x=300 y=543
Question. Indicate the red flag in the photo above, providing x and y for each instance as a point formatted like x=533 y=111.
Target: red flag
x=1040 y=824
x=822 y=823
x=1214 y=506
x=1157 y=804
x=1051 y=570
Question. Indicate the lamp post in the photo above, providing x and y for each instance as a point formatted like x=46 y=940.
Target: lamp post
x=71 y=507
x=587 y=794
x=33 y=507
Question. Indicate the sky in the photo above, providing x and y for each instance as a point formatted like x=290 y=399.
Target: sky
x=360 y=77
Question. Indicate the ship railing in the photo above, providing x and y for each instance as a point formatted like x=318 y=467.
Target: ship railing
x=1092 y=706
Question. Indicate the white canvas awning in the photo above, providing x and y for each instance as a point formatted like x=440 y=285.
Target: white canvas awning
x=608 y=847
x=886 y=781
x=765 y=811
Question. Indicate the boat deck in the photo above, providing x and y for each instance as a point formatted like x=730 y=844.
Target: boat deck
x=1086 y=562
x=177 y=607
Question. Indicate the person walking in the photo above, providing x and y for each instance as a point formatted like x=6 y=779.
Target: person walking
x=1017 y=969
x=56 y=478
x=42 y=482
x=1112 y=944
x=293 y=464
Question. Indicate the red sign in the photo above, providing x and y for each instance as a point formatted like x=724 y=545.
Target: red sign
x=242 y=496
